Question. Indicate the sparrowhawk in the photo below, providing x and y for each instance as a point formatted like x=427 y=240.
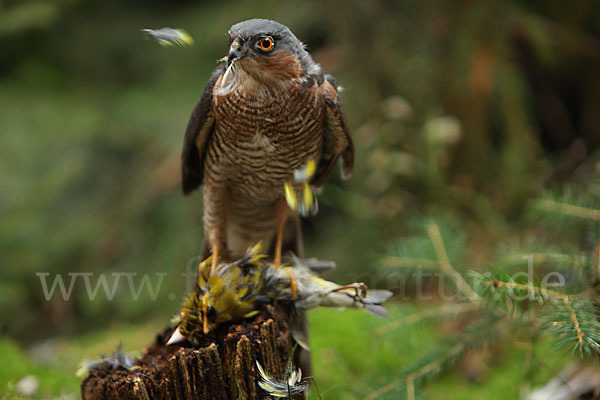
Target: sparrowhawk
x=267 y=110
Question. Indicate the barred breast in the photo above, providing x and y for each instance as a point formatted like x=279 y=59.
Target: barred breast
x=257 y=144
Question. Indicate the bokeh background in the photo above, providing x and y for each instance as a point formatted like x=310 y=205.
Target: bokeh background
x=461 y=109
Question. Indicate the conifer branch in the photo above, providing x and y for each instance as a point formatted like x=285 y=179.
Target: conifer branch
x=568 y=314
x=438 y=244
x=543 y=293
x=568 y=209
x=574 y=319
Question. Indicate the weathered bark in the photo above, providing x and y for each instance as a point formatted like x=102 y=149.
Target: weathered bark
x=224 y=367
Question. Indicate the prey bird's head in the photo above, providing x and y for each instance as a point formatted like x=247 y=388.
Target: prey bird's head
x=267 y=51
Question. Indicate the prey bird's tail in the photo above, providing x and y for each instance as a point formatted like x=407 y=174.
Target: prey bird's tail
x=356 y=295
x=376 y=297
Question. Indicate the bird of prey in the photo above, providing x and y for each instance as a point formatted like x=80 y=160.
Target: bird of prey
x=267 y=111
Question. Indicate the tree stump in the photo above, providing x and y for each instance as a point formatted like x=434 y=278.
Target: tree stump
x=224 y=367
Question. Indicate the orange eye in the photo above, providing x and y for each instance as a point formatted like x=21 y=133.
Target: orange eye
x=266 y=43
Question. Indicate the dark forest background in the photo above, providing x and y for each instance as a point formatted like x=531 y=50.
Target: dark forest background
x=461 y=109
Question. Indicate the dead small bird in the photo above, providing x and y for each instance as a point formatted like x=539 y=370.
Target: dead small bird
x=236 y=290
x=170 y=36
x=117 y=360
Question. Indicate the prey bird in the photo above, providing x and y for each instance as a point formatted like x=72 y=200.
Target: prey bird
x=238 y=289
x=267 y=111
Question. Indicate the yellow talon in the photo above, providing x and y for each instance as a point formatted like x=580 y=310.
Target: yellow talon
x=304 y=174
x=290 y=196
x=308 y=196
x=308 y=205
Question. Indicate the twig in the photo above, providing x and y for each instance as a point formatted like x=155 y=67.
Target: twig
x=573 y=318
x=410 y=378
x=552 y=294
x=451 y=309
x=569 y=209
x=541 y=291
x=410 y=388
x=596 y=255
x=540 y=258
x=404 y=262
x=384 y=389
x=438 y=244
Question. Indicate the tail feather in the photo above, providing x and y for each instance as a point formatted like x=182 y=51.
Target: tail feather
x=377 y=310
x=374 y=300
x=377 y=296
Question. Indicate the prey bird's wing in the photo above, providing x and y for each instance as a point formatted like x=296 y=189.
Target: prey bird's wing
x=197 y=133
x=337 y=142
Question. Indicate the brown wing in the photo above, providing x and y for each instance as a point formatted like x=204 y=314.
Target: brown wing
x=337 y=141
x=199 y=129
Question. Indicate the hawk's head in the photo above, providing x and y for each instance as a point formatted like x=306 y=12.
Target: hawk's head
x=266 y=51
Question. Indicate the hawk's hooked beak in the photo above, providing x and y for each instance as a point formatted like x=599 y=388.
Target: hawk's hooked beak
x=235 y=52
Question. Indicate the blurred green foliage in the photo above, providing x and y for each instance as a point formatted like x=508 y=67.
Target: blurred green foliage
x=544 y=284
x=339 y=342
x=458 y=108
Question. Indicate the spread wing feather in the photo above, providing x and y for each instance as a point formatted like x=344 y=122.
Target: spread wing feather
x=337 y=142
x=197 y=133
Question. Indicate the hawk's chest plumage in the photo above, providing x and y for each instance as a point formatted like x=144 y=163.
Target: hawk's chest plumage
x=262 y=136
x=266 y=111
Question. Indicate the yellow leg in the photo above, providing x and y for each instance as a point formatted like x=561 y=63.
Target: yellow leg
x=204 y=312
x=215 y=258
x=280 y=217
x=215 y=218
x=360 y=290
x=293 y=286
x=281 y=214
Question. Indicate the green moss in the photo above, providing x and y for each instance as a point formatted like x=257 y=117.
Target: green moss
x=350 y=360
x=54 y=380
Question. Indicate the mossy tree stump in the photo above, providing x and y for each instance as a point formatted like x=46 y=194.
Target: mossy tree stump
x=224 y=367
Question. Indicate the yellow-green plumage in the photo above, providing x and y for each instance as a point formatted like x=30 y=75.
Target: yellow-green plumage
x=237 y=290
